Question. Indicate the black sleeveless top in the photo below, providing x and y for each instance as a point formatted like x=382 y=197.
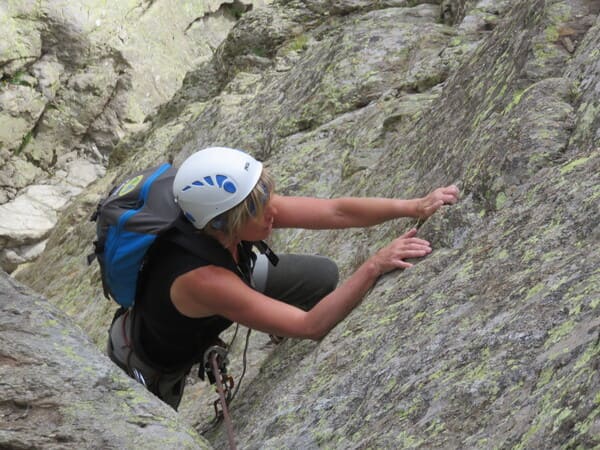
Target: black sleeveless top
x=168 y=338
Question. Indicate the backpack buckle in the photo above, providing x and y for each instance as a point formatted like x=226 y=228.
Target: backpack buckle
x=264 y=248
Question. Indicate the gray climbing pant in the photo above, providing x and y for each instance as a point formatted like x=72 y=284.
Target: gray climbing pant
x=166 y=383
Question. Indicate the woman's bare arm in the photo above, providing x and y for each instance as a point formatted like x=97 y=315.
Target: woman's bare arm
x=348 y=212
x=212 y=290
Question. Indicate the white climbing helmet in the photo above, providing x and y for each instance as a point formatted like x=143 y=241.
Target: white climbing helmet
x=214 y=180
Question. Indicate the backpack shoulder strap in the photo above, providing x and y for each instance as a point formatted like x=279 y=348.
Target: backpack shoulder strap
x=187 y=237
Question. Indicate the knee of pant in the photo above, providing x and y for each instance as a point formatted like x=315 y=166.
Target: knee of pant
x=329 y=275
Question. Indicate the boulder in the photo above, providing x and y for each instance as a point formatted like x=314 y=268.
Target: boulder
x=58 y=391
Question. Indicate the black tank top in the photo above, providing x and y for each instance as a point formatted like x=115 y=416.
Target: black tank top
x=168 y=338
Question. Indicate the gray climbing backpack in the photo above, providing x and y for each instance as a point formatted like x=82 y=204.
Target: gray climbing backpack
x=128 y=221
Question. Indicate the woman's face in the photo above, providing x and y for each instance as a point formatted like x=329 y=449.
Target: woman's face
x=259 y=227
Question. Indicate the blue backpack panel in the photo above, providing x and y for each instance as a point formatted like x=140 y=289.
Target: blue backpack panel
x=128 y=221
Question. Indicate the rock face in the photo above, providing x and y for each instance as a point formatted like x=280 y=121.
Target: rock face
x=74 y=80
x=492 y=341
x=58 y=392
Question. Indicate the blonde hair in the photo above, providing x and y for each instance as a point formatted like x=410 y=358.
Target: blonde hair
x=231 y=221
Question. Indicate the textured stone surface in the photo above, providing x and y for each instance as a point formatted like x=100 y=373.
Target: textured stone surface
x=58 y=392
x=77 y=77
x=492 y=340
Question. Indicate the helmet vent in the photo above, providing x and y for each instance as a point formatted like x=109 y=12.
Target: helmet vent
x=227 y=185
x=222 y=181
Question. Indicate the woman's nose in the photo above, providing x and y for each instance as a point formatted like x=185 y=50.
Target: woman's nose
x=270 y=211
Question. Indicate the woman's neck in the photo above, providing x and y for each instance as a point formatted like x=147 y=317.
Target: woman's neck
x=230 y=245
x=233 y=249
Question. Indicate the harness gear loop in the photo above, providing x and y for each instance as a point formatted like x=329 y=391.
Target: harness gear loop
x=222 y=361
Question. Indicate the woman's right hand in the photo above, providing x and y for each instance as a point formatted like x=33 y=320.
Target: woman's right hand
x=391 y=257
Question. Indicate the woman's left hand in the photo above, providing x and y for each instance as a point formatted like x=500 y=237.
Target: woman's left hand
x=429 y=204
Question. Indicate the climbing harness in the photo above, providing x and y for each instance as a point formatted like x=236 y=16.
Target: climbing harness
x=215 y=362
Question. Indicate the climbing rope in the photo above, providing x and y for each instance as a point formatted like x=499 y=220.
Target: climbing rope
x=215 y=361
x=245 y=361
x=221 y=388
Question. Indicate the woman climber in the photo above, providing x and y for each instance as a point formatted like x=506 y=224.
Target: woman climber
x=228 y=202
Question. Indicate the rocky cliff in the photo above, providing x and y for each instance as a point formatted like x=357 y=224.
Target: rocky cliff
x=75 y=79
x=490 y=342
